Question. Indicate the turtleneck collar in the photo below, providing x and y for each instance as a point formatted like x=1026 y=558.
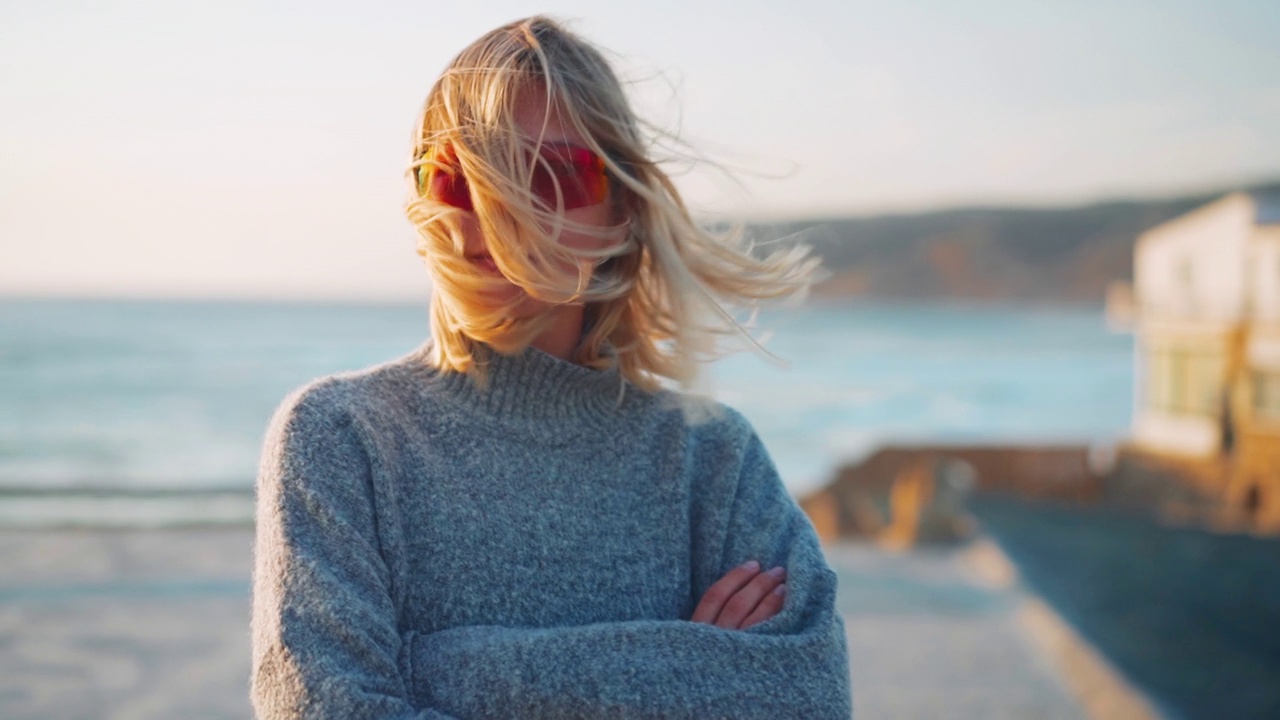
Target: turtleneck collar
x=533 y=385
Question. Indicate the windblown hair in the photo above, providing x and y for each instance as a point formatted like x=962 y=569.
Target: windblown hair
x=656 y=292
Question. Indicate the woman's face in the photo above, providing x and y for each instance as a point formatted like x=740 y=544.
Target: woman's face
x=530 y=112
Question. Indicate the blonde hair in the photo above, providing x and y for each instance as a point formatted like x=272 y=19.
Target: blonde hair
x=657 y=290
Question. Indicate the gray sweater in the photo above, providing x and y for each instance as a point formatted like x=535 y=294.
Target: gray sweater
x=428 y=549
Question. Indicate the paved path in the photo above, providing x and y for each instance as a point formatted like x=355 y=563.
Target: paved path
x=940 y=634
x=154 y=624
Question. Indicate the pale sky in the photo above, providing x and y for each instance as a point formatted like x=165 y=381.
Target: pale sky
x=235 y=148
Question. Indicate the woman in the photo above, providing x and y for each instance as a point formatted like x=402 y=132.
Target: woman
x=517 y=520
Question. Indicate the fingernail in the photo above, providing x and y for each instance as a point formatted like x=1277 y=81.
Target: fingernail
x=751 y=565
x=778 y=572
x=780 y=590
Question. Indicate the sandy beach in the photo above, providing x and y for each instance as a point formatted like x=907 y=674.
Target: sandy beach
x=154 y=624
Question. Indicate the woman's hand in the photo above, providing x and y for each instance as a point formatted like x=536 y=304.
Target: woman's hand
x=743 y=597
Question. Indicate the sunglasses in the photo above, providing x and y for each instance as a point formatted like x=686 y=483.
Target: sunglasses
x=577 y=171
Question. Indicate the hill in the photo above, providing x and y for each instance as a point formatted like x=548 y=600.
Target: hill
x=1048 y=255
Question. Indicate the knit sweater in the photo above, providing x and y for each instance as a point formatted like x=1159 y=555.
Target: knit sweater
x=429 y=549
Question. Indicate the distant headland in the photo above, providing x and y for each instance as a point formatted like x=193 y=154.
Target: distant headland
x=987 y=254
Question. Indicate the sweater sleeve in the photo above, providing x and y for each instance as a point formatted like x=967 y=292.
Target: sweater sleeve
x=793 y=665
x=325 y=637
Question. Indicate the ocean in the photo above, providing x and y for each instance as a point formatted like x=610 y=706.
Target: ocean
x=137 y=413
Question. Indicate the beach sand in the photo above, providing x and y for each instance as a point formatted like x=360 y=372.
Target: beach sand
x=154 y=624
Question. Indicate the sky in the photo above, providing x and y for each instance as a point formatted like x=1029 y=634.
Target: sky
x=257 y=149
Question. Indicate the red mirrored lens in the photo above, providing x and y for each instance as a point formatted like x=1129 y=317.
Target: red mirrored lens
x=440 y=179
x=450 y=188
x=578 y=173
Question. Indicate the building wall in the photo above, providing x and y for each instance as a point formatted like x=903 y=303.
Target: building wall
x=1263 y=352
x=1194 y=266
x=1262 y=371
x=1192 y=437
x=1264 y=279
x=1183 y=386
x=1207 y=291
x=1255 y=477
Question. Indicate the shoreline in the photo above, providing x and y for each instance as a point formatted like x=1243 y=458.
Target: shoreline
x=52 y=509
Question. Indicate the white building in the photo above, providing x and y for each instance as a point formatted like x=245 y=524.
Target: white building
x=1207 y=294
x=1206 y=302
